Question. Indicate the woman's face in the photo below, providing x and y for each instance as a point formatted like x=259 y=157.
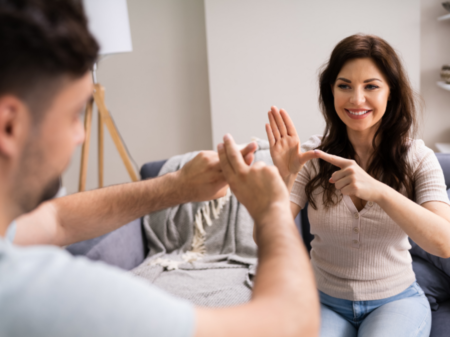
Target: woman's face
x=360 y=94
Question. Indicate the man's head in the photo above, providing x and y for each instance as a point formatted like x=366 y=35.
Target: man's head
x=46 y=53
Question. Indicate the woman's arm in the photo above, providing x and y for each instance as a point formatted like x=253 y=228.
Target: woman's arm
x=427 y=224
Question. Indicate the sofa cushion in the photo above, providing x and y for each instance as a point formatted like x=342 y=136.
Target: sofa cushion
x=440 y=321
x=123 y=248
x=433 y=281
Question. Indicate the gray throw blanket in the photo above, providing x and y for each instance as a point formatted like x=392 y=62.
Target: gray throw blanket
x=203 y=252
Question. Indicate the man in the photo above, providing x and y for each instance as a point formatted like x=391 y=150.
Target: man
x=46 y=53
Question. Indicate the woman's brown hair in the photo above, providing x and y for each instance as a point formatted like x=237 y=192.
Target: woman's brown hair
x=388 y=162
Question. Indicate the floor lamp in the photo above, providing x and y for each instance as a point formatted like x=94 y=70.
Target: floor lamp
x=108 y=22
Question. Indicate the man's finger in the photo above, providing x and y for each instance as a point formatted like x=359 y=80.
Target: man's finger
x=250 y=148
x=249 y=158
x=233 y=154
x=335 y=160
x=224 y=163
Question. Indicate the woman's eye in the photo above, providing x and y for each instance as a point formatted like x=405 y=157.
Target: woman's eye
x=371 y=87
x=343 y=86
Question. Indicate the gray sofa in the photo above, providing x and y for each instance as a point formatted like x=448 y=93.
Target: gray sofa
x=126 y=248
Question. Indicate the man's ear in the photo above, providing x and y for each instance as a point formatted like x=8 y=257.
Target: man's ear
x=14 y=124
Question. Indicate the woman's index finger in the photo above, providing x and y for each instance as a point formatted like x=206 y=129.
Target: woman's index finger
x=335 y=160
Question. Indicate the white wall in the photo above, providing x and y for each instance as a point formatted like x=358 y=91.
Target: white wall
x=157 y=94
x=435 y=52
x=263 y=53
x=260 y=52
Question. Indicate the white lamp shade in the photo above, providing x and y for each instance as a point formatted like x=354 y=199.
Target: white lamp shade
x=108 y=22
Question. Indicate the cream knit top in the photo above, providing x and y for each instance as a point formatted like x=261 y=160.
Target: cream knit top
x=361 y=256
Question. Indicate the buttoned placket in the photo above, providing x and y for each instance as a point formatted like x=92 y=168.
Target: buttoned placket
x=356 y=220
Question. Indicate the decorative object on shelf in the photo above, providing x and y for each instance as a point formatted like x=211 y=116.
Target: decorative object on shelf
x=445 y=73
x=446 y=5
x=108 y=22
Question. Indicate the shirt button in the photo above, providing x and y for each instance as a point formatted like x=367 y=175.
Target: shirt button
x=355 y=241
x=356 y=230
x=356 y=215
x=370 y=203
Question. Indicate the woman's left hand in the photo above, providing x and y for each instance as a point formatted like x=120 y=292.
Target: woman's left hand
x=351 y=179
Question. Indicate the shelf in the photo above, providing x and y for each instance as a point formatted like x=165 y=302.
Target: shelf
x=443 y=85
x=444 y=17
x=443 y=147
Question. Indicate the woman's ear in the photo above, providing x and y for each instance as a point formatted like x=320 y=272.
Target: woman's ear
x=13 y=125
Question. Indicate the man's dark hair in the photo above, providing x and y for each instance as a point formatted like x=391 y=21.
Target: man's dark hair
x=42 y=42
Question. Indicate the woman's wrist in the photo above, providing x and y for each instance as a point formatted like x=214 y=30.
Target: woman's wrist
x=381 y=193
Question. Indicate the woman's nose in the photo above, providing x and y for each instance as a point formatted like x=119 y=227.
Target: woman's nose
x=357 y=97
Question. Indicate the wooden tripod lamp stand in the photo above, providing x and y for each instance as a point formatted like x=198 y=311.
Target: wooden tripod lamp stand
x=108 y=22
x=104 y=118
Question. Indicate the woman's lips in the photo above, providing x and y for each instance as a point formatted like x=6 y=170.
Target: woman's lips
x=353 y=116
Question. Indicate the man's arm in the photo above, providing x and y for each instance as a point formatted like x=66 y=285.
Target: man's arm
x=285 y=300
x=86 y=215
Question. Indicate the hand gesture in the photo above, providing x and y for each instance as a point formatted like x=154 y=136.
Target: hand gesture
x=202 y=178
x=285 y=144
x=258 y=187
x=351 y=179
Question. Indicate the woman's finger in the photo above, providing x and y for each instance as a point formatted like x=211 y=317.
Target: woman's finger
x=340 y=174
x=335 y=160
x=270 y=135
x=274 y=127
x=290 y=128
x=341 y=183
x=279 y=121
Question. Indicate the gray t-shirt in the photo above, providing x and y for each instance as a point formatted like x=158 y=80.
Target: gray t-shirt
x=44 y=291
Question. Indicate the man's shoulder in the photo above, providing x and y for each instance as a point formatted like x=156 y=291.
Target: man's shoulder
x=48 y=288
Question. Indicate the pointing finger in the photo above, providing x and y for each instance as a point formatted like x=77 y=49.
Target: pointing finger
x=335 y=160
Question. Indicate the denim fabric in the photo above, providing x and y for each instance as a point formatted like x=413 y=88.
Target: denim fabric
x=405 y=314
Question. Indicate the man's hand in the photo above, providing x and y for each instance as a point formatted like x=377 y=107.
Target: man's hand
x=258 y=187
x=202 y=178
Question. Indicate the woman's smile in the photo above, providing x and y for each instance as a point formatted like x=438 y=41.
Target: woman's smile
x=358 y=113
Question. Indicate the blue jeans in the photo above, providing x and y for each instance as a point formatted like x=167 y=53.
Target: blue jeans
x=405 y=314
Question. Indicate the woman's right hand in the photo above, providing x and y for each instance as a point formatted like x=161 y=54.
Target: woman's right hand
x=285 y=145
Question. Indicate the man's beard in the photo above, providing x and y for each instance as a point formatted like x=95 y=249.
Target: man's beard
x=50 y=190
x=30 y=192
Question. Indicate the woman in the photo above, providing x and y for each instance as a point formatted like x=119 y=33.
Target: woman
x=370 y=185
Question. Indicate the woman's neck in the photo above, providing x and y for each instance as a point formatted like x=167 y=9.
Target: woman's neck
x=362 y=142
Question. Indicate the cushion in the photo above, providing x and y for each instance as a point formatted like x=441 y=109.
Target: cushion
x=440 y=263
x=433 y=281
x=123 y=248
x=441 y=322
